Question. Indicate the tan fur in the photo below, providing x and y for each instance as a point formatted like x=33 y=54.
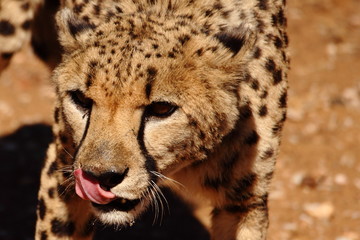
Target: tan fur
x=222 y=64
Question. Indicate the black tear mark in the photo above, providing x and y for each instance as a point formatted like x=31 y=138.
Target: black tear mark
x=150 y=79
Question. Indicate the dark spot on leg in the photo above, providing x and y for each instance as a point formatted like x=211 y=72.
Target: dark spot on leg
x=263 y=4
x=26 y=25
x=25 y=6
x=6 y=28
x=257 y=53
x=51 y=192
x=61 y=228
x=278 y=42
x=270 y=65
x=277 y=76
x=283 y=100
x=53 y=167
x=252 y=138
x=56 y=115
x=245 y=112
x=263 y=111
x=43 y=235
x=267 y=154
x=241 y=191
x=41 y=208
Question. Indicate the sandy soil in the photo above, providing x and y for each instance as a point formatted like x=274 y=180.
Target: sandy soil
x=316 y=189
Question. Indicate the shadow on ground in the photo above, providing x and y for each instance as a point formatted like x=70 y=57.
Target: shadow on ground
x=21 y=159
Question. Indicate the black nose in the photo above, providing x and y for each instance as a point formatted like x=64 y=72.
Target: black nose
x=108 y=179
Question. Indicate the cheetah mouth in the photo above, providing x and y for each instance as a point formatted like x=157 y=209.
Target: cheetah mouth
x=119 y=204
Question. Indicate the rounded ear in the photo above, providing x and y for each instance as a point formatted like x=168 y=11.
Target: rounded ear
x=73 y=32
x=237 y=40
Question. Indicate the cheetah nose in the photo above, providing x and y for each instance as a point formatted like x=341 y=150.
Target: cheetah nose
x=96 y=188
x=109 y=179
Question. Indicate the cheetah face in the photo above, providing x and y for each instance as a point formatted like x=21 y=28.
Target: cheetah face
x=140 y=109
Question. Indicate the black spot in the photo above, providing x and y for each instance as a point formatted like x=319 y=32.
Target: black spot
x=63 y=138
x=281 y=18
x=269 y=176
x=252 y=138
x=118 y=9
x=26 y=25
x=233 y=40
x=96 y=9
x=151 y=73
x=61 y=190
x=283 y=100
x=237 y=209
x=278 y=43
x=41 y=208
x=89 y=80
x=241 y=191
x=43 y=235
x=264 y=94
x=78 y=26
x=263 y=4
x=171 y=55
x=78 y=8
x=155 y=46
x=260 y=26
x=85 y=18
x=257 y=53
x=267 y=154
x=88 y=227
x=277 y=128
x=61 y=228
x=245 y=112
x=7 y=55
x=53 y=167
x=213 y=183
x=274 y=20
x=200 y=52
x=263 y=111
x=208 y=13
x=56 y=114
x=184 y=38
x=51 y=192
x=25 y=6
x=6 y=28
x=218 y=6
x=255 y=84
x=277 y=76
x=270 y=65
x=148 y=55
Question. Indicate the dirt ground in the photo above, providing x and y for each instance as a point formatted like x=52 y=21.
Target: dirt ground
x=316 y=190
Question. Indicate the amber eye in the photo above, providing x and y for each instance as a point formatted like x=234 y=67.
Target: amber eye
x=160 y=109
x=81 y=100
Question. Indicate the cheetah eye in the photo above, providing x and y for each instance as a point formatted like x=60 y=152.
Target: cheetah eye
x=160 y=109
x=81 y=100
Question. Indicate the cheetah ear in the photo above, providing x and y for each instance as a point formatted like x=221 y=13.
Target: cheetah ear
x=237 y=40
x=73 y=32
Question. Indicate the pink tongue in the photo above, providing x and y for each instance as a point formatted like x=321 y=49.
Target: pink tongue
x=89 y=189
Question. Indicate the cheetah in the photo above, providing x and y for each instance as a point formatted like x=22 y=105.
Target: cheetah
x=185 y=94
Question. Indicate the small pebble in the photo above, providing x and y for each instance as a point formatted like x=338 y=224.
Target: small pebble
x=341 y=179
x=324 y=210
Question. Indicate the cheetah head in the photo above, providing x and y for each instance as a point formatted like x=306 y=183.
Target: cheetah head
x=142 y=98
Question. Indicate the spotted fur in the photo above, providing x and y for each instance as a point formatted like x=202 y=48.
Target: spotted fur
x=187 y=94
